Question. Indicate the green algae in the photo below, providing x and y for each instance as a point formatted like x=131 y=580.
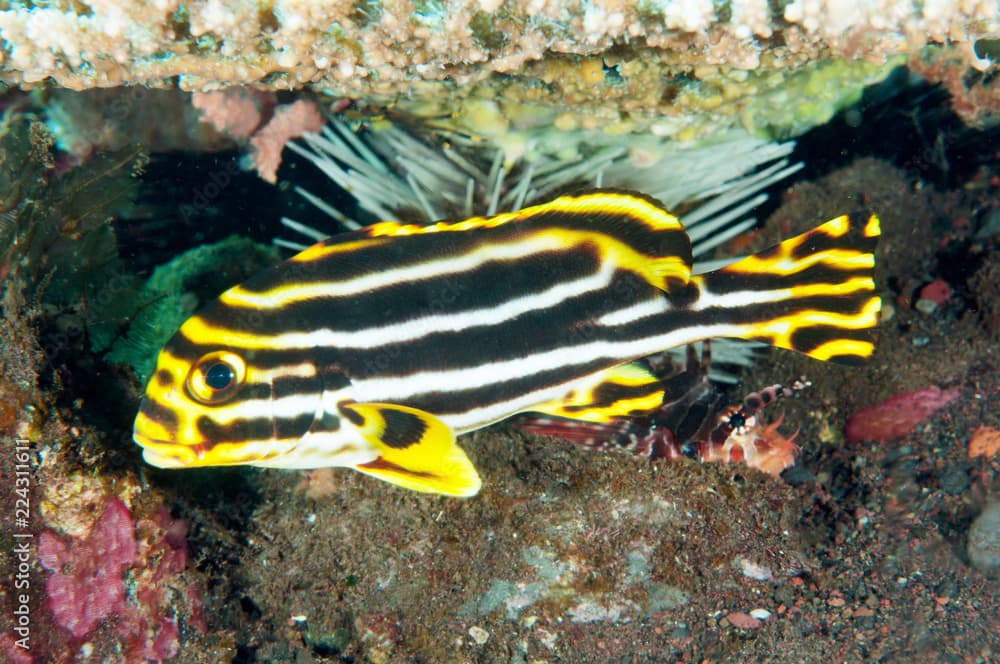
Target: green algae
x=176 y=289
x=812 y=95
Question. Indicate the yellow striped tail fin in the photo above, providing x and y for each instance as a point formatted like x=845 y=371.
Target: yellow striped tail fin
x=814 y=293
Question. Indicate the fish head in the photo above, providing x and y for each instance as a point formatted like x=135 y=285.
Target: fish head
x=208 y=405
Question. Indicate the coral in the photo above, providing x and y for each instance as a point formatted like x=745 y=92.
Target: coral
x=974 y=96
x=334 y=44
x=123 y=570
x=897 y=416
x=242 y=114
x=14 y=653
x=236 y=112
x=73 y=505
x=620 y=60
x=86 y=585
x=289 y=121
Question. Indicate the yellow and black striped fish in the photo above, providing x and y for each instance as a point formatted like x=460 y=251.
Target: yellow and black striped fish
x=375 y=348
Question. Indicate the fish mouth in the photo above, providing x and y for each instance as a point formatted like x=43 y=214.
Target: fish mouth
x=165 y=453
x=172 y=455
x=160 y=460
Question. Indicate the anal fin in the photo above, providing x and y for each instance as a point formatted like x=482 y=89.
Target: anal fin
x=417 y=450
x=622 y=391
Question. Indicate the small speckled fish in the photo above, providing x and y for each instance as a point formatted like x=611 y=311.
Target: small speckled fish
x=374 y=349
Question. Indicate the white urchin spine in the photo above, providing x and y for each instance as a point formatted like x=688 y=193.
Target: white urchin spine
x=392 y=173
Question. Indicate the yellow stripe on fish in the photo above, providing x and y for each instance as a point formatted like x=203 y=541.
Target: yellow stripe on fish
x=375 y=349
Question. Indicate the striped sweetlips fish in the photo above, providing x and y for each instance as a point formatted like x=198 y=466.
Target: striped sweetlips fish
x=374 y=349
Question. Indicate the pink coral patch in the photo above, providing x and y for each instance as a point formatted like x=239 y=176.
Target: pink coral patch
x=897 y=416
x=87 y=585
x=124 y=574
x=289 y=121
x=236 y=112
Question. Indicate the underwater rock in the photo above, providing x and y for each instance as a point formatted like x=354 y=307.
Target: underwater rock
x=607 y=62
x=897 y=416
x=984 y=539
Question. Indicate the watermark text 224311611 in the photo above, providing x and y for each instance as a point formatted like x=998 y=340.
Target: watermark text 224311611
x=22 y=543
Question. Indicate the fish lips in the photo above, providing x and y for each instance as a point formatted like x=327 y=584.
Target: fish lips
x=164 y=453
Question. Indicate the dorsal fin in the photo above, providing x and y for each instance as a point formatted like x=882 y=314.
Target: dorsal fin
x=814 y=293
x=659 y=248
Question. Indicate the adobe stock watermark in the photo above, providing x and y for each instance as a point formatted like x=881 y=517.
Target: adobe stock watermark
x=22 y=550
x=204 y=196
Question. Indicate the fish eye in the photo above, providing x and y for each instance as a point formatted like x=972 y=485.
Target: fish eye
x=219 y=376
x=216 y=377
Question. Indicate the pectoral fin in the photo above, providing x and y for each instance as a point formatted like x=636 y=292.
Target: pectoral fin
x=621 y=391
x=416 y=450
